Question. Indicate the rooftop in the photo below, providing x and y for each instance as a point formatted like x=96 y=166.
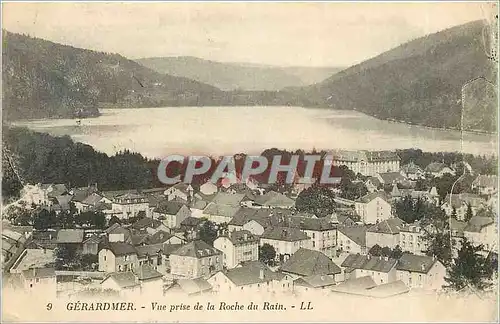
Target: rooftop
x=196 y=249
x=169 y=207
x=251 y=273
x=388 y=226
x=315 y=281
x=368 y=156
x=146 y=272
x=123 y=279
x=367 y=262
x=34 y=258
x=193 y=286
x=355 y=233
x=370 y=196
x=289 y=234
x=70 y=236
x=415 y=263
x=121 y=248
x=307 y=262
x=223 y=198
x=39 y=273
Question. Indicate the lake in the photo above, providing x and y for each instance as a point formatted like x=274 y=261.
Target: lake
x=156 y=132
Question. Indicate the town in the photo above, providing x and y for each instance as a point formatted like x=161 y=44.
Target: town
x=385 y=229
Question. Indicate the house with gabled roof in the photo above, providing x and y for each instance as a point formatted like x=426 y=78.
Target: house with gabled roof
x=171 y=213
x=438 y=169
x=195 y=259
x=421 y=271
x=486 y=184
x=252 y=277
x=54 y=190
x=237 y=247
x=151 y=255
x=117 y=257
x=91 y=244
x=366 y=162
x=390 y=178
x=149 y=225
x=285 y=240
x=322 y=232
x=385 y=233
x=273 y=199
x=181 y=191
x=352 y=239
x=483 y=230
x=373 y=207
x=307 y=263
x=412 y=238
x=118 y=233
x=313 y=282
x=189 y=287
x=126 y=283
x=461 y=202
x=41 y=281
x=381 y=269
x=220 y=213
x=150 y=279
x=129 y=204
x=412 y=171
x=245 y=215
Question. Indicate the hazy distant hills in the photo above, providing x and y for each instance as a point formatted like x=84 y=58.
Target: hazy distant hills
x=241 y=76
x=420 y=82
x=43 y=79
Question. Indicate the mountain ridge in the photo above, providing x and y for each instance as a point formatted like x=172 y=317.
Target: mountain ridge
x=230 y=76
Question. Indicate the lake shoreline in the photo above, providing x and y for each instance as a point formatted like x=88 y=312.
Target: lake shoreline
x=221 y=129
x=391 y=120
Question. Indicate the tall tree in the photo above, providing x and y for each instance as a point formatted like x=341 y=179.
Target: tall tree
x=469 y=269
x=437 y=235
x=317 y=199
x=208 y=232
x=267 y=254
x=468 y=213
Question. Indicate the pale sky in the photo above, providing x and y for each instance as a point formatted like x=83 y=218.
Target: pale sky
x=286 y=34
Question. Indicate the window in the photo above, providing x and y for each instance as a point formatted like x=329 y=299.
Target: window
x=314 y=244
x=104 y=258
x=314 y=235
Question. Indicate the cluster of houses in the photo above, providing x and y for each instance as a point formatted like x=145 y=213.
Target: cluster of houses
x=157 y=245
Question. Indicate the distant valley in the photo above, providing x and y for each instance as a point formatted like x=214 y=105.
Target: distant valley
x=239 y=76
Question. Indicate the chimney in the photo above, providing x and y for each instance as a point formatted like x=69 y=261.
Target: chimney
x=368 y=256
x=245 y=236
x=386 y=258
x=261 y=274
x=422 y=266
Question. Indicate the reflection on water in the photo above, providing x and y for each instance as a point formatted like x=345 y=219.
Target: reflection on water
x=156 y=132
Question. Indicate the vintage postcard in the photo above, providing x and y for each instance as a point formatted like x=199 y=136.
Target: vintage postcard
x=249 y=162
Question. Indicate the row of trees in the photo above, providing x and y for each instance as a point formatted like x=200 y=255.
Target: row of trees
x=42 y=218
x=69 y=257
x=480 y=164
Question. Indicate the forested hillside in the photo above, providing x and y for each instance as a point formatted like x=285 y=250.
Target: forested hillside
x=419 y=82
x=43 y=79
